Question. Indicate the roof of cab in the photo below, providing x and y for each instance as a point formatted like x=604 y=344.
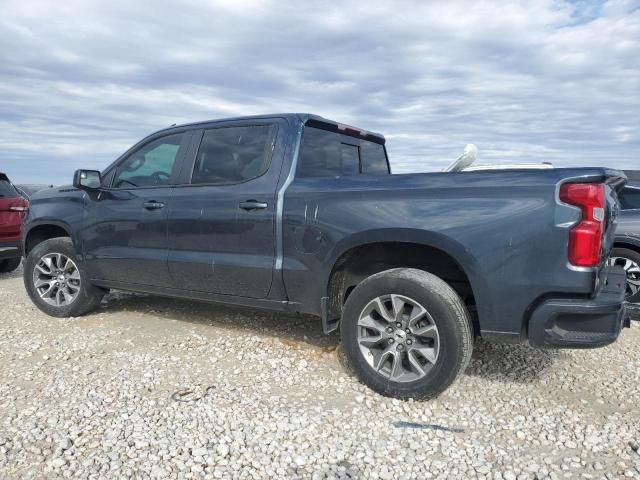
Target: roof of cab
x=297 y=117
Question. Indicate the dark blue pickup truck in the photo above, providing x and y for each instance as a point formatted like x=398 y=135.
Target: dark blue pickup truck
x=298 y=213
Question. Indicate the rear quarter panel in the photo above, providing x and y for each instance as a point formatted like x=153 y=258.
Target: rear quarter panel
x=506 y=230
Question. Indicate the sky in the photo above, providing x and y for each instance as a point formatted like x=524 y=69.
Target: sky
x=526 y=81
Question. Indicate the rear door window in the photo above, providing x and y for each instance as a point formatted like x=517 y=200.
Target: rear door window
x=331 y=154
x=229 y=155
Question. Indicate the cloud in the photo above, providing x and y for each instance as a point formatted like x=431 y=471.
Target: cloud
x=526 y=81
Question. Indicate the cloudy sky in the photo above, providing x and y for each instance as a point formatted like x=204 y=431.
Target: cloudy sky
x=534 y=80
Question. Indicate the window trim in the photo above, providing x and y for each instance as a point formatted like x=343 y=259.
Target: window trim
x=198 y=143
x=180 y=158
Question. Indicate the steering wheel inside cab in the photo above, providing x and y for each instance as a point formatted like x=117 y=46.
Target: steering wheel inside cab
x=160 y=178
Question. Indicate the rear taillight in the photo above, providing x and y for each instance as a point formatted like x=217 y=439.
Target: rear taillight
x=19 y=205
x=18 y=208
x=585 y=238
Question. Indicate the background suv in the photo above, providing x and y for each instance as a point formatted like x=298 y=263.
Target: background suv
x=13 y=209
x=626 y=252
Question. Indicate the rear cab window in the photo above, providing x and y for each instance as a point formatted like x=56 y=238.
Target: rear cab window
x=326 y=153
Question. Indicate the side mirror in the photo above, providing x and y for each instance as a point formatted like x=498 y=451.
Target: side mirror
x=87 y=179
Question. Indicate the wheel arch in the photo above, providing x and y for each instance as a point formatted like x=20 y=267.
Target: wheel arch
x=392 y=248
x=630 y=243
x=39 y=232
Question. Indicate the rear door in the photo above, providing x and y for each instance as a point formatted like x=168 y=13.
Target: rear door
x=222 y=220
x=125 y=234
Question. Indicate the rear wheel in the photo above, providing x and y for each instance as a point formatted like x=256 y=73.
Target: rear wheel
x=9 y=265
x=56 y=282
x=406 y=333
x=629 y=260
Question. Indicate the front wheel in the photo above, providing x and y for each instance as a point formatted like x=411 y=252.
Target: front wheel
x=406 y=333
x=56 y=282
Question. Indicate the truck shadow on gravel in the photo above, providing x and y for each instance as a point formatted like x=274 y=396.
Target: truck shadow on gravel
x=513 y=363
x=15 y=274
x=292 y=329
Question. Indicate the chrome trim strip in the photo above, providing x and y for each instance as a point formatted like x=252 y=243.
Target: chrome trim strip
x=7 y=249
x=280 y=200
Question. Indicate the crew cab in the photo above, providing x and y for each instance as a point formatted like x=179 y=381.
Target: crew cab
x=297 y=213
x=13 y=210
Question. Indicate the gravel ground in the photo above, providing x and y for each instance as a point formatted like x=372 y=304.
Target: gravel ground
x=158 y=388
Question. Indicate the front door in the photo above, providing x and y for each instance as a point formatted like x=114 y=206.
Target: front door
x=222 y=224
x=125 y=234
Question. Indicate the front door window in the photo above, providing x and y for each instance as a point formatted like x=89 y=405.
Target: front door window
x=152 y=165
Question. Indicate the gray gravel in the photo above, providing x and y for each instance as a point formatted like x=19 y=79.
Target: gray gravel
x=158 y=388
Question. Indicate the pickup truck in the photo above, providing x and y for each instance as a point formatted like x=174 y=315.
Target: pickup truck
x=297 y=213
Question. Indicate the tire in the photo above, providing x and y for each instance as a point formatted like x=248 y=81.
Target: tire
x=630 y=261
x=10 y=264
x=443 y=331
x=85 y=297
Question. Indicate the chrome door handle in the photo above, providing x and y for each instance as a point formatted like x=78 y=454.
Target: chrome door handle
x=153 y=205
x=253 y=205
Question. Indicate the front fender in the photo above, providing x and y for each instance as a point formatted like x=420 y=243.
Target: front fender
x=62 y=211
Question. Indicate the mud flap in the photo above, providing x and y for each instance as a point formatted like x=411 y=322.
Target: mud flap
x=328 y=324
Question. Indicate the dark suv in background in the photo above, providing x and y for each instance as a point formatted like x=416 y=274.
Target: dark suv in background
x=13 y=209
x=626 y=252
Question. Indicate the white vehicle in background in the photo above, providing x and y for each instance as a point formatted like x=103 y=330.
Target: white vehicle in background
x=464 y=163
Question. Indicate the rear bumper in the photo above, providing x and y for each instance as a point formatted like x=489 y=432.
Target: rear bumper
x=582 y=323
x=10 y=250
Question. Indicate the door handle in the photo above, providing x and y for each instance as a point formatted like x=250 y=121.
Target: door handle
x=153 y=205
x=253 y=205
